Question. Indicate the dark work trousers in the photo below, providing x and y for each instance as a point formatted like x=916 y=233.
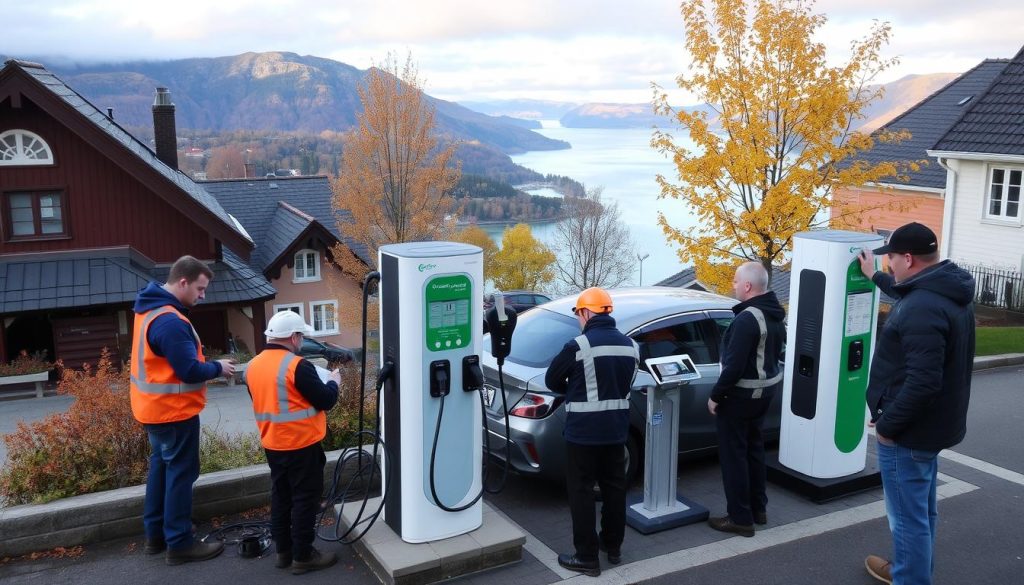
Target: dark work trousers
x=297 y=482
x=741 y=456
x=606 y=465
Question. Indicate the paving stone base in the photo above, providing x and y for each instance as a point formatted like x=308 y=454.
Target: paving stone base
x=395 y=562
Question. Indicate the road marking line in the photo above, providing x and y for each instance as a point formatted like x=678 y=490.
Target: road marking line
x=984 y=466
x=694 y=557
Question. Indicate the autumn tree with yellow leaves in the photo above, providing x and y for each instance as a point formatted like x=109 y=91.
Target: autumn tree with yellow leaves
x=523 y=262
x=475 y=235
x=396 y=178
x=777 y=137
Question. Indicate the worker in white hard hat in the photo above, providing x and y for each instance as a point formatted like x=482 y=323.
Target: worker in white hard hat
x=289 y=400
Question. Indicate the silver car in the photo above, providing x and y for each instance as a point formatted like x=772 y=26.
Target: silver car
x=662 y=320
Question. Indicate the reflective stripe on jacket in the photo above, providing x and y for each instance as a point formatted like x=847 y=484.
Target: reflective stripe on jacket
x=762 y=381
x=587 y=356
x=157 y=394
x=286 y=420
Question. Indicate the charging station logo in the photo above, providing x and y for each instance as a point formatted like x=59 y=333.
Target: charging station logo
x=425 y=267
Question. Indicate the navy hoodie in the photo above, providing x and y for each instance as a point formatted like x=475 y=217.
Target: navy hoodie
x=171 y=338
x=739 y=347
x=920 y=380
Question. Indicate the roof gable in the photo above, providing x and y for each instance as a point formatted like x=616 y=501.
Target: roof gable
x=994 y=123
x=279 y=211
x=21 y=78
x=928 y=120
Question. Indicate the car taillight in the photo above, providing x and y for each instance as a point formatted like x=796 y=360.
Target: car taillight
x=536 y=405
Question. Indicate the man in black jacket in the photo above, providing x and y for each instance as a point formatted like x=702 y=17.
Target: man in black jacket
x=751 y=375
x=918 y=390
x=595 y=372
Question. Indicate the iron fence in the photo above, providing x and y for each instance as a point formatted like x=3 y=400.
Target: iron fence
x=998 y=288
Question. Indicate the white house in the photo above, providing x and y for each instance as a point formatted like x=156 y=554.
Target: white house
x=983 y=154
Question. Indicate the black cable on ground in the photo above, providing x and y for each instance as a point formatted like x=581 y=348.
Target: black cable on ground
x=252 y=538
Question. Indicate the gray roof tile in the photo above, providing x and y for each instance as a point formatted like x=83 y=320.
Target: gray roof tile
x=993 y=123
x=928 y=120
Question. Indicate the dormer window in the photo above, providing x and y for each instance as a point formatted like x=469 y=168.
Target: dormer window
x=307 y=266
x=24 y=148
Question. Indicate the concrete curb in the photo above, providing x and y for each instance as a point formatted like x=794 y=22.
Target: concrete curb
x=91 y=518
x=997 y=361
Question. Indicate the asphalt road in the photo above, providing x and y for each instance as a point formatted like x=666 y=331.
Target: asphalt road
x=979 y=542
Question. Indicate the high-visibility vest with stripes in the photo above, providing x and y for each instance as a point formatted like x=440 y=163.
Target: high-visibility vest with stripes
x=286 y=420
x=762 y=381
x=586 y=355
x=157 y=394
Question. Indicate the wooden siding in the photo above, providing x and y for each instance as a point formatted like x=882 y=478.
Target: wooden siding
x=975 y=239
x=105 y=205
x=921 y=207
x=80 y=340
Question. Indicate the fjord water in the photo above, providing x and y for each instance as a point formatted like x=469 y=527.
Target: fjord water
x=623 y=163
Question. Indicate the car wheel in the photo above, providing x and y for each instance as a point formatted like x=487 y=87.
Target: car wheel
x=634 y=458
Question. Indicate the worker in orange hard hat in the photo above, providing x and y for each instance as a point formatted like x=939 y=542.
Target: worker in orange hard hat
x=595 y=372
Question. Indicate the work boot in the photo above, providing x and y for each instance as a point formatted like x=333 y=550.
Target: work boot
x=614 y=556
x=284 y=560
x=154 y=546
x=879 y=568
x=573 y=563
x=724 y=524
x=199 y=551
x=761 y=517
x=315 y=562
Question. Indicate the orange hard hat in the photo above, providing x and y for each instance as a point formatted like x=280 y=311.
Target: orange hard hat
x=596 y=299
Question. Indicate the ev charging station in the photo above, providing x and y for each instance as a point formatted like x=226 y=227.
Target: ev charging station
x=661 y=508
x=833 y=310
x=430 y=329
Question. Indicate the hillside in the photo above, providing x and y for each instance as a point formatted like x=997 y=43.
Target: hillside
x=269 y=91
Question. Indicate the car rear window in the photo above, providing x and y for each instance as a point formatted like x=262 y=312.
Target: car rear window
x=540 y=335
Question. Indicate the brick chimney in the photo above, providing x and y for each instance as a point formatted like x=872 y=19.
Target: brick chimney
x=164 y=132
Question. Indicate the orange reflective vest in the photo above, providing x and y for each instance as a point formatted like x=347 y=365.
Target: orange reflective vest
x=157 y=394
x=286 y=420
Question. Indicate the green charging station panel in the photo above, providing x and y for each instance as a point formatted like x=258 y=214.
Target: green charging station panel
x=853 y=375
x=448 y=309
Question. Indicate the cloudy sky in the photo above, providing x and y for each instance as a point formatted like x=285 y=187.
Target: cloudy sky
x=568 y=50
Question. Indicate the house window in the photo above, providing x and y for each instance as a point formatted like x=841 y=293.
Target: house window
x=32 y=215
x=1004 y=193
x=325 y=317
x=293 y=307
x=307 y=266
x=21 y=147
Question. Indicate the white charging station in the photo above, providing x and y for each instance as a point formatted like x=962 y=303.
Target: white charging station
x=431 y=303
x=833 y=314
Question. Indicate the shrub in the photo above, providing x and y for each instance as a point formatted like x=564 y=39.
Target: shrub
x=218 y=452
x=96 y=445
x=26 y=364
x=343 y=419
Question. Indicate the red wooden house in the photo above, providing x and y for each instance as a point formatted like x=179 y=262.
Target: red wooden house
x=89 y=214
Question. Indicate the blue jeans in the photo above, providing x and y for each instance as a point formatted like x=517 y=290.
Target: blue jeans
x=173 y=468
x=909 y=478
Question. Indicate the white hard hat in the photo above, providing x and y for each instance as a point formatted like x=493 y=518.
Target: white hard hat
x=284 y=323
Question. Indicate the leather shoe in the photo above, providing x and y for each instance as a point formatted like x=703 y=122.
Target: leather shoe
x=154 y=546
x=199 y=551
x=614 y=556
x=761 y=517
x=316 y=561
x=283 y=560
x=879 y=568
x=724 y=524
x=588 y=568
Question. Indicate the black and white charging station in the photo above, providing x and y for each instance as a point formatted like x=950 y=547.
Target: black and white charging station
x=661 y=507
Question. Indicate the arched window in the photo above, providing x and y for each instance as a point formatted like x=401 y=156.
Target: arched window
x=307 y=266
x=21 y=147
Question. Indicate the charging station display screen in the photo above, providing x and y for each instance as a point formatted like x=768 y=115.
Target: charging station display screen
x=448 y=312
x=859 y=312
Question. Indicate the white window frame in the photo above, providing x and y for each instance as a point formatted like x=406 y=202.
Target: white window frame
x=18 y=153
x=312 y=317
x=301 y=256
x=1004 y=194
x=289 y=306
